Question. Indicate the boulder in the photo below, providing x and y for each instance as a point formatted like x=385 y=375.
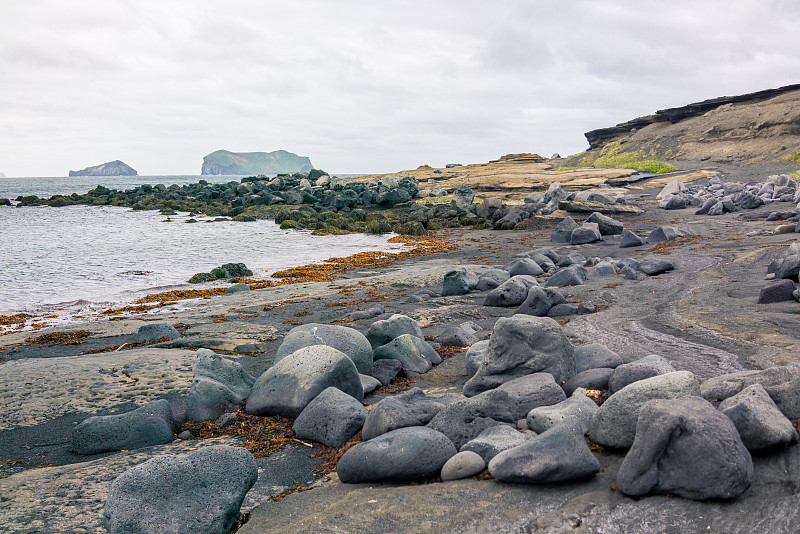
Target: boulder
x=410 y=408
x=760 y=423
x=151 y=424
x=630 y=239
x=601 y=269
x=197 y=492
x=614 y=424
x=462 y=465
x=563 y=230
x=493 y=441
x=539 y=301
x=673 y=188
x=558 y=455
x=369 y=313
x=574 y=275
x=655 y=266
x=594 y=356
x=647 y=367
x=523 y=266
x=573 y=258
x=385 y=370
x=492 y=278
x=562 y=310
x=605 y=224
x=463 y=420
x=347 y=340
x=475 y=356
x=456 y=336
x=331 y=418
x=674 y=202
x=404 y=454
x=414 y=353
x=579 y=406
x=218 y=385
x=589 y=379
x=686 y=447
x=585 y=233
x=462 y=198
x=531 y=391
x=155 y=332
x=782 y=383
x=237 y=288
x=779 y=290
x=225 y=420
x=287 y=387
x=512 y=292
x=458 y=282
x=661 y=234
x=521 y=345
x=383 y=331
x=369 y=383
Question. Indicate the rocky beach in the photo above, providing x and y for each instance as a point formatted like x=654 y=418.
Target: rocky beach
x=604 y=343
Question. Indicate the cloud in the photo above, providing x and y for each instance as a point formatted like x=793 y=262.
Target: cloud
x=362 y=86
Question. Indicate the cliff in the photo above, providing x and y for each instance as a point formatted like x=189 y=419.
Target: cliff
x=760 y=126
x=112 y=168
x=253 y=163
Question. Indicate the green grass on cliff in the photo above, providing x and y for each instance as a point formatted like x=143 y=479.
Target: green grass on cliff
x=612 y=155
x=791 y=158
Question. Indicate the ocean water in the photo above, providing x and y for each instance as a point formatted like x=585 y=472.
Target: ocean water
x=76 y=259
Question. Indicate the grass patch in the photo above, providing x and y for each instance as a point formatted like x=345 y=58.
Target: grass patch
x=795 y=175
x=612 y=155
x=791 y=158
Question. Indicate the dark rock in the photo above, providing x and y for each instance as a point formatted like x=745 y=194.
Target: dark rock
x=579 y=406
x=586 y=307
x=383 y=331
x=532 y=391
x=463 y=420
x=585 y=233
x=573 y=258
x=197 y=492
x=456 y=337
x=288 y=386
x=521 y=345
x=589 y=379
x=410 y=408
x=674 y=202
x=151 y=424
x=614 y=424
x=218 y=385
x=462 y=198
x=776 y=291
x=369 y=384
x=686 y=447
x=601 y=269
x=331 y=418
x=414 y=353
x=589 y=206
x=782 y=383
x=385 y=370
x=405 y=454
x=462 y=465
x=225 y=420
x=539 y=301
x=655 y=266
x=595 y=355
x=237 y=288
x=568 y=276
x=348 y=340
x=512 y=292
x=523 y=266
x=661 y=234
x=475 y=357
x=706 y=206
x=647 y=367
x=558 y=455
x=605 y=224
x=186 y=434
x=231 y=270
x=155 y=332
x=632 y=274
x=563 y=230
x=369 y=313
x=493 y=441
x=562 y=310
x=496 y=276
x=760 y=423
x=458 y=282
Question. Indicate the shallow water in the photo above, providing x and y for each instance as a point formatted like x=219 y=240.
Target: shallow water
x=82 y=255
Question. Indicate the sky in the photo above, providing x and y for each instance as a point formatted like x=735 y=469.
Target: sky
x=363 y=86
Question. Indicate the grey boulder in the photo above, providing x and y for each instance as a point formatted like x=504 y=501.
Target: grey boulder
x=404 y=454
x=595 y=355
x=369 y=383
x=385 y=370
x=539 y=301
x=760 y=423
x=605 y=224
x=475 y=357
x=493 y=441
x=463 y=420
x=630 y=239
x=560 y=454
x=563 y=230
x=589 y=379
x=614 y=424
x=782 y=383
x=347 y=340
x=661 y=234
x=585 y=233
x=457 y=336
x=521 y=345
x=151 y=424
x=777 y=291
x=414 y=353
x=462 y=465
x=647 y=367
x=331 y=418
x=383 y=331
x=531 y=391
x=580 y=406
x=410 y=408
x=218 y=385
x=458 y=282
x=512 y=292
x=287 y=387
x=573 y=275
x=523 y=266
x=155 y=332
x=686 y=447
x=655 y=266
x=197 y=492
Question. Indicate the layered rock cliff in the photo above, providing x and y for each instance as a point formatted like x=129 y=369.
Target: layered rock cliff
x=112 y=168
x=253 y=163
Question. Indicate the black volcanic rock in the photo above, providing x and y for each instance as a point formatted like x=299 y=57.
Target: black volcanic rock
x=112 y=168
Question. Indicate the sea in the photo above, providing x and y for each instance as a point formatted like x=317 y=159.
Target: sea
x=72 y=262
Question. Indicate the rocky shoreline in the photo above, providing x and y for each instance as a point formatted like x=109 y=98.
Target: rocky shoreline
x=702 y=319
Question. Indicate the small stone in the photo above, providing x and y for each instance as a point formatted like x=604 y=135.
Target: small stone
x=661 y=234
x=462 y=465
x=777 y=291
x=630 y=239
x=493 y=441
x=186 y=434
x=225 y=420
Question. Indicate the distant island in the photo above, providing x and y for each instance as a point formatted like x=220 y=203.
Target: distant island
x=112 y=168
x=2 y=175
x=279 y=161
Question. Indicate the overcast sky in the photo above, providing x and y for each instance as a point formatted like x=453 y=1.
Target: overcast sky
x=362 y=86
